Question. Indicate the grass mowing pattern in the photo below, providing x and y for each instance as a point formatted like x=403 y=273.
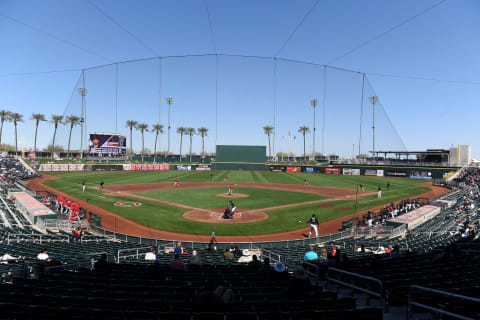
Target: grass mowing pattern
x=206 y=197
x=164 y=217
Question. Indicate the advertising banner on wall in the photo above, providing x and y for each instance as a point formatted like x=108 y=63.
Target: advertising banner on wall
x=203 y=167
x=370 y=172
x=146 y=167
x=379 y=173
x=278 y=168
x=347 y=171
x=395 y=174
x=420 y=175
x=309 y=169
x=294 y=169
x=31 y=155
x=184 y=168
x=355 y=172
x=333 y=170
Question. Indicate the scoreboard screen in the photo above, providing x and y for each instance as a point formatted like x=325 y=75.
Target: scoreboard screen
x=107 y=144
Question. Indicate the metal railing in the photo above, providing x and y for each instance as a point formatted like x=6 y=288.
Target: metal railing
x=136 y=253
x=352 y=279
x=37 y=238
x=437 y=309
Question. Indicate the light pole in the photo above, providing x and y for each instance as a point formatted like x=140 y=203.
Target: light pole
x=373 y=100
x=170 y=102
x=314 y=103
x=294 y=148
x=83 y=92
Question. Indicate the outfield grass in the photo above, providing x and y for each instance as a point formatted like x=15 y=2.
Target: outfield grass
x=169 y=218
x=131 y=177
x=206 y=197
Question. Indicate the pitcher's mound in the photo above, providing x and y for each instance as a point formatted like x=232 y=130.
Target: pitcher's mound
x=235 y=195
x=215 y=216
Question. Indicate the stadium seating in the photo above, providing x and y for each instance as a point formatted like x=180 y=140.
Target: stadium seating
x=436 y=254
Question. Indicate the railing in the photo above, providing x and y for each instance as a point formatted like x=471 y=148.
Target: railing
x=428 y=291
x=274 y=257
x=136 y=252
x=89 y=261
x=60 y=224
x=37 y=238
x=364 y=286
x=241 y=245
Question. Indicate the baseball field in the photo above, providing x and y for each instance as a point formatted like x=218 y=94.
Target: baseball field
x=267 y=202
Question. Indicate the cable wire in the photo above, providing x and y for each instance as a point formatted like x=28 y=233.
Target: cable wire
x=51 y=35
x=423 y=78
x=38 y=72
x=211 y=26
x=378 y=36
x=108 y=17
x=297 y=27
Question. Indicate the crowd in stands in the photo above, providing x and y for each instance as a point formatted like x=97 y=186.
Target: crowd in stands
x=388 y=212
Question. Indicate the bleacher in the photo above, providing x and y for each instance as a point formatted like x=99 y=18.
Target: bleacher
x=440 y=254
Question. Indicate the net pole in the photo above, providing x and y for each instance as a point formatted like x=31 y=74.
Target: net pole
x=159 y=105
x=274 y=102
x=361 y=115
x=323 y=108
x=116 y=98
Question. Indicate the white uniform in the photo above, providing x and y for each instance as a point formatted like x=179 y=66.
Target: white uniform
x=313 y=226
x=379 y=194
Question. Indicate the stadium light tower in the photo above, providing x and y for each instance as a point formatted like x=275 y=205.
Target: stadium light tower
x=83 y=92
x=170 y=102
x=373 y=100
x=314 y=103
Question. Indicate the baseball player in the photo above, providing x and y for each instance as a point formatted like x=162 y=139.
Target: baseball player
x=226 y=179
x=175 y=182
x=233 y=207
x=362 y=187
x=313 y=226
x=84 y=186
x=230 y=190
x=101 y=184
x=305 y=182
x=379 y=192
x=388 y=186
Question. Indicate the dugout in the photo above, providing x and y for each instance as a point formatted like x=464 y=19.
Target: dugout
x=240 y=157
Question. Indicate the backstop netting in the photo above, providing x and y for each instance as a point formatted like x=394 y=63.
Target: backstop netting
x=234 y=98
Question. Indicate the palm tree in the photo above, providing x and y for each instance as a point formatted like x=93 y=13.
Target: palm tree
x=4 y=115
x=268 y=130
x=142 y=127
x=181 y=131
x=16 y=118
x=56 y=120
x=304 y=130
x=203 y=133
x=37 y=117
x=73 y=121
x=190 y=132
x=131 y=124
x=158 y=129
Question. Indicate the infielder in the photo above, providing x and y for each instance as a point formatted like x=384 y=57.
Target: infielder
x=84 y=185
x=305 y=182
x=313 y=226
x=379 y=192
x=226 y=179
x=175 y=182
x=230 y=190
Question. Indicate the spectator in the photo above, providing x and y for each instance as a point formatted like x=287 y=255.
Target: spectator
x=228 y=255
x=323 y=255
x=4 y=259
x=255 y=264
x=266 y=268
x=178 y=249
x=195 y=259
x=43 y=255
x=334 y=251
x=150 y=255
x=177 y=264
x=396 y=252
x=310 y=255
x=102 y=264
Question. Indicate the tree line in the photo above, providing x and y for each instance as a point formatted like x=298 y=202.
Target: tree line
x=268 y=130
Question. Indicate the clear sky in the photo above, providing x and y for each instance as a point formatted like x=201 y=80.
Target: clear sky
x=441 y=44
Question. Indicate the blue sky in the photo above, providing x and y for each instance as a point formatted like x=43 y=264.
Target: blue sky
x=443 y=43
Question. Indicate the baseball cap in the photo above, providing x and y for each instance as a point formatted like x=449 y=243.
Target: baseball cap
x=279 y=267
